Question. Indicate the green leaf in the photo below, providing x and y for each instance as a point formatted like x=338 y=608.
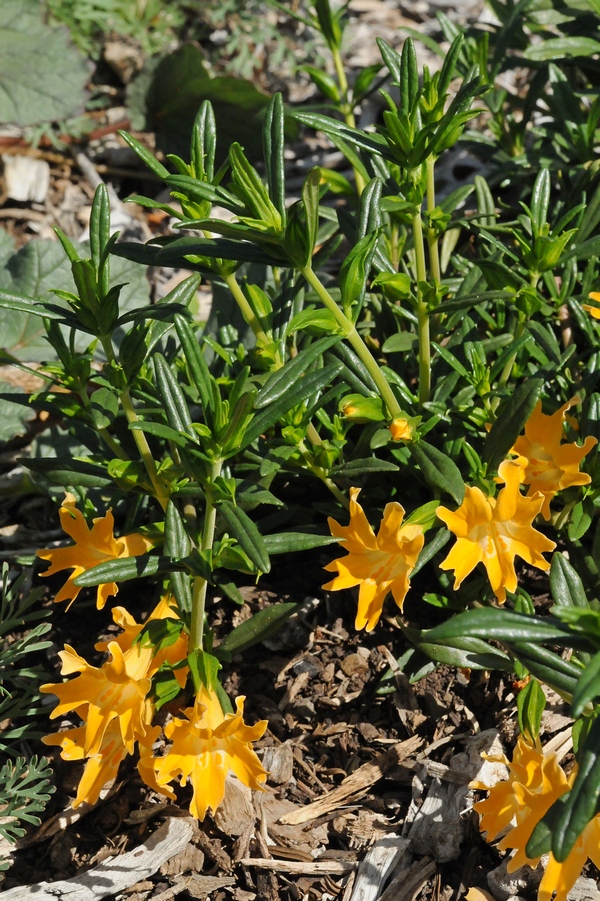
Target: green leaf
x=440 y=539
x=167 y=94
x=565 y=584
x=540 y=841
x=160 y=430
x=273 y=149
x=531 y=702
x=400 y=342
x=246 y=534
x=172 y=396
x=42 y=75
x=355 y=270
x=68 y=473
x=540 y=198
x=438 y=470
x=259 y=627
x=204 y=668
x=470 y=653
x=587 y=688
x=104 y=406
x=290 y=542
x=512 y=416
x=198 y=368
x=13 y=416
x=561 y=48
x=306 y=386
x=505 y=625
x=123 y=570
x=282 y=380
x=582 y=802
x=354 y=468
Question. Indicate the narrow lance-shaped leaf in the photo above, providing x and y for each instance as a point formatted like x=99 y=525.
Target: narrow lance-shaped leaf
x=438 y=470
x=369 y=211
x=531 y=702
x=565 y=584
x=251 y=189
x=259 y=627
x=582 y=802
x=392 y=59
x=409 y=77
x=198 y=368
x=204 y=140
x=310 y=199
x=123 y=570
x=146 y=157
x=246 y=534
x=273 y=147
x=99 y=237
x=506 y=625
x=449 y=65
x=307 y=386
x=540 y=199
x=175 y=403
x=177 y=545
x=283 y=379
x=587 y=688
x=354 y=272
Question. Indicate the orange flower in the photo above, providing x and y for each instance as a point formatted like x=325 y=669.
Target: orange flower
x=593 y=311
x=494 y=531
x=206 y=746
x=117 y=690
x=92 y=546
x=378 y=563
x=172 y=654
x=402 y=429
x=535 y=782
x=101 y=766
x=548 y=465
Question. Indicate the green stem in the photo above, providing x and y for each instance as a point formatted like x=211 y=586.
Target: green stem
x=358 y=345
x=245 y=308
x=345 y=107
x=321 y=474
x=138 y=436
x=432 y=237
x=564 y=515
x=200 y=584
x=422 y=312
x=505 y=375
x=144 y=450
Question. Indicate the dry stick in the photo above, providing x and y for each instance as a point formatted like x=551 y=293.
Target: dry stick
x=310 y=867
x=356 y=784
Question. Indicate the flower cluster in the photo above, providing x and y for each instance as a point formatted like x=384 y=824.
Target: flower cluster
x=116 y=702
x=515 y=806
x=489 y=530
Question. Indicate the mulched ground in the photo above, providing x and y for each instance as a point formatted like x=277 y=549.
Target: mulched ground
x=320 y=684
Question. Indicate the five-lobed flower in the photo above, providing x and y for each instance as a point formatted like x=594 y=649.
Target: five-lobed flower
x=92 y=546
x=494 y=531
x=515 y=806
x=548 y=463
x=206 y=746
x=377 y=563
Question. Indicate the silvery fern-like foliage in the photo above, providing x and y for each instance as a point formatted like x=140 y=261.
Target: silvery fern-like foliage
x=25 y=784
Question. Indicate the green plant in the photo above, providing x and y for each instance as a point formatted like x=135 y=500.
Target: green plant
x=409 y=346
x=25 y=782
